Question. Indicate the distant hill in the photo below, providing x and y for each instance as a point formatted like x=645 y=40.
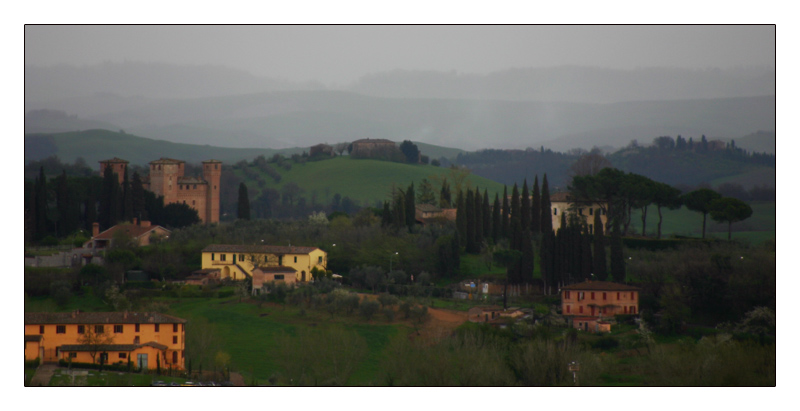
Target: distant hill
x=760 y=141
x=303 y=118
x=55 y=121
x=97 y=145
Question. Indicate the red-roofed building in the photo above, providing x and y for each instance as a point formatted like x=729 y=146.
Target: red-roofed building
x=237 y=262
x=140 y=231
x=275 y=274
x=589 y=302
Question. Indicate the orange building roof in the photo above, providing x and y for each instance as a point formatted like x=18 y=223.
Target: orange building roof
x=599 y=286
x=132 y=230
x=102 y=318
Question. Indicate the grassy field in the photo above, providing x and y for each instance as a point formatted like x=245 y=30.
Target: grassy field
x=94 y=378
x=365 y=181
x=761 y=226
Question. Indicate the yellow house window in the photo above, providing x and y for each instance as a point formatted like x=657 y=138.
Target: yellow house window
x=118 y=329
x=61 y=329
x=80 y=329
x=212 y=256
x=295 y=259
x=98 y=329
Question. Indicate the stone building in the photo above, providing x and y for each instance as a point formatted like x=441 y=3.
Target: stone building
x=167 y=179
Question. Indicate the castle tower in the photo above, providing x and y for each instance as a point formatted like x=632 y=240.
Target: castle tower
x=164 y=174
x=212 y=170
x=117 y=165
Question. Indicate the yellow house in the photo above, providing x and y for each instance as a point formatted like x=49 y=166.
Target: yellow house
x=237 y=262
x=563 y=203
x=145 y=339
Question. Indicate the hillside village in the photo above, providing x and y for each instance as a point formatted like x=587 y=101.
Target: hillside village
x=537 y=258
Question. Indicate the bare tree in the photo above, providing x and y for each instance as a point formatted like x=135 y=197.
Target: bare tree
x=589 y=164
x=95 y=337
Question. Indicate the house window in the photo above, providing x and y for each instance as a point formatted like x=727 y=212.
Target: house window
x=157 y=328
x=319 y=261
x=633 y=295
x=123 y=355
x=241 y=257
x=181 y=186
x=137 y=328
x=568 y=307
x=617 y=296
x=592 y=295
x=41 y=329
x=80 y=329
x=625 y=309
x=580 y=211
x=580 y=309
x=555 y=211
x=566 y=295
x=174 y=328
x=633 y=310
x=194 y=186
x=104 y=358
x=73 y=355
x=174 y=357
x=604 y=296
x=591 y=211
x=61 y=329
x=212 y=256
x=295 y=258
x=175 y=339
x=222 y=257
x=98 y=329
x=580 y=296
x=118 y=329
x=279 y=277
x=192 y=202
x=136 y=340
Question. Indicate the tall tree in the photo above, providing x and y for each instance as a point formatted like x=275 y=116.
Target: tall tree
x=536 y=208
x=505 y=214
x=461 y=219
x=617 y=258
x=525 y=207
x=40 y=205
x=478 y=219
x=487 y=216
x=410 y=151
x=599 y=262
x=730 y=210
x=444 y=196
x=700 y=201
x=127 y=198
x=470 y=208
x=547 y=247
x=137 y=198
x=243 y=205
x=426 y=194
x=665 y=196
x=109 y=199
x=410 y=207
x=515 y=226
x=496 y=220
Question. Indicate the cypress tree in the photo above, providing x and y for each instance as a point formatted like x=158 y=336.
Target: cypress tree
x=461 y=219
x=40 y=205
x=109 y=199
x=496 y=221
x=546 y=207
x=504 y=232
x=90 y=209
x=444 y=196
x=516 y=235
x=399 y=211
x=470 y=214
x=547 y=248
x=410 y=207
x=243 y=205
x=487 y=216
x=127 y=198
x=599 y=263
x=536 y=208
x=478 y=220
x=527 y=258
x=66 y=212
x=617 y=259
x=586 y=253
x=137 y=198
x=386 y=215
x=525 y=207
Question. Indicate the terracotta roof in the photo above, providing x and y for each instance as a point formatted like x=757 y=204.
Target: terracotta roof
x=101 y=318
x=29 y=337
x=276 y=269
x=600 y=286
x=257 y=249
x=134 y=231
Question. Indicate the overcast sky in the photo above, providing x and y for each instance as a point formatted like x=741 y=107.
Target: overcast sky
x=336 y=55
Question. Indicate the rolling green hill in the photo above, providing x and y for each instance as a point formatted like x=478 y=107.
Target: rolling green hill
x=365 y=181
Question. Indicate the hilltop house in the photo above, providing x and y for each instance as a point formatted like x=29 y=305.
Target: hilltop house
x=237 y=262
x=275 y=274
x=564 y=203
x=588 y=303
x=141 y=232
x=147 y=340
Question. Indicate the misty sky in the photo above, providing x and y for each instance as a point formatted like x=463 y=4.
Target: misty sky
x=337 y=55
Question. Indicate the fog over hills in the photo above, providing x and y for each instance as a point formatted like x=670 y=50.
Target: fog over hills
x=560 y=108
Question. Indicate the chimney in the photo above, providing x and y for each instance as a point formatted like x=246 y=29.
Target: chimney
x=125 y=315
x=135 y=221
x=95 y=229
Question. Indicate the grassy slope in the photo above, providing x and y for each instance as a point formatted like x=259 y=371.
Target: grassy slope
x=361 y=180
x=759 y=227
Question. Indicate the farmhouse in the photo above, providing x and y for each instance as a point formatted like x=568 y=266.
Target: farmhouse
x=589 y=302
x=141 y=232
x=366 y=148
x=275 y=274
x=145 y=339
x=237 y=262
x=564 y=203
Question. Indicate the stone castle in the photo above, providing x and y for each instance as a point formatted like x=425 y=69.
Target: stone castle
x=166 y=179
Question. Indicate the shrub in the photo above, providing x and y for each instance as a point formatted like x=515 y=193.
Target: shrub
x=368 y=308
x=605 y=343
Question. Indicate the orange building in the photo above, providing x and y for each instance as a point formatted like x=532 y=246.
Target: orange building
x=167 y=179
x=142 y=232
x=589 y=302
x=147 y=340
